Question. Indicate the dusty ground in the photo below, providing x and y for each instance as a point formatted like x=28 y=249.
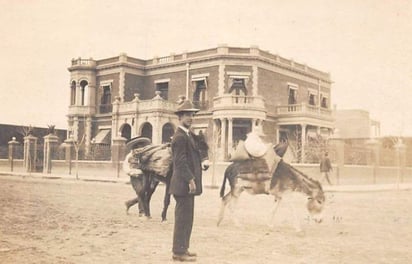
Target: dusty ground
x=62 y=221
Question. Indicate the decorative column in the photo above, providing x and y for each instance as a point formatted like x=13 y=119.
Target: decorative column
x=50 y=143
x=88 y=135
x=30 y=153
x=135 y=126
x=221 y=80
x=255 y=80
x=223 y=138
x=374 y=157
x=230 y=134
x=118 y=152
x=115 y=115
x=12 y=146
x=303 y=143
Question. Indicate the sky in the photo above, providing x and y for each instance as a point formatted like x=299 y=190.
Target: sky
x=366 y=46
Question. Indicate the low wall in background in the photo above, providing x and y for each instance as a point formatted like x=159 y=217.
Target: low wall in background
x=349 y=174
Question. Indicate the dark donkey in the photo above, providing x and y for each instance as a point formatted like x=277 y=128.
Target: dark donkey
x=281 y=178
x=156 y=164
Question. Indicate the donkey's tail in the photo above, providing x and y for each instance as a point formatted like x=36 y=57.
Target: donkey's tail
x=222 y=189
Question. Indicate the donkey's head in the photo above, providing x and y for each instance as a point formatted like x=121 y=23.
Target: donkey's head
x=316 y=202
x=203 y=148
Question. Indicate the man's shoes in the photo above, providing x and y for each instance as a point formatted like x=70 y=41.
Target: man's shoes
x=183 y=258
x=191 y=254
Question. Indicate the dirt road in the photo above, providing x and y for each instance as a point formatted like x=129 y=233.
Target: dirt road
x=62 y=221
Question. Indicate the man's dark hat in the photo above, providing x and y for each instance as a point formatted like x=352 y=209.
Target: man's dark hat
x=186 y=106
x=137 y=142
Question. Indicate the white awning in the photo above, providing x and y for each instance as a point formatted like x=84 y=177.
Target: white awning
x=103 y=137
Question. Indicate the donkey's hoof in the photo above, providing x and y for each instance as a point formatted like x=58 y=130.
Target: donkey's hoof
x=127 y=208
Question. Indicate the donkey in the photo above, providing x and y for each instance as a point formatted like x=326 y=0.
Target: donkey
x=284 y=178
x=146 y=184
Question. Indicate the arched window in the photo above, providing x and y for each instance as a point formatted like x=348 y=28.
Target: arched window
x=73 y=93
x=84 y=85
x=126 y=131
x=147 y=130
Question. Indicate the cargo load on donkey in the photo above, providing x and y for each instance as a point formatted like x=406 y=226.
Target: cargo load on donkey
x=259 y=169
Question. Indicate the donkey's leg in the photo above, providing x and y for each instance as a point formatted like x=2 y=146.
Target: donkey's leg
x=225 y=201
x=146 y=194
x=233 y=205
x=166 y=202
x=273 y=211
x=152 y=187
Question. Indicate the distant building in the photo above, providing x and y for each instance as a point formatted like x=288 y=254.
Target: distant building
x=236 y=89
x=356 y=123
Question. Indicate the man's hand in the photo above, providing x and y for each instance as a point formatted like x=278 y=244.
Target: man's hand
x=205 y=165
x=192 y=186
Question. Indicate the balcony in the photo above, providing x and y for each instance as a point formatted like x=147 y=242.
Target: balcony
x=293 y=112
x=156 y=104
x=82 y=64
x=239 y=106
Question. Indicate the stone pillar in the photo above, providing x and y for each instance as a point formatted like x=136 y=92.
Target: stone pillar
x=30 y=153
x=69 y=147
x=230 y=134
x=12 y=146
x=401 y=158
x=157 y=131
x=374 y=156
x=118 y=152
x=223 y=138
x=50 y=143
x=303 y=142
x=339 y=146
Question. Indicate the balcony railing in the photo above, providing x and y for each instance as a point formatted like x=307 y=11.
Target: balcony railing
x=238 y=101
x=303 y=109
x=81 y=110
x=146 y=106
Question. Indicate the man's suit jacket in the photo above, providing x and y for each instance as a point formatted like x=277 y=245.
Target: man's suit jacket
x=186 y=164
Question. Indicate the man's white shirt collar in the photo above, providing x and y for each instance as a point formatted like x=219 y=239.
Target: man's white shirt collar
x=185 y=129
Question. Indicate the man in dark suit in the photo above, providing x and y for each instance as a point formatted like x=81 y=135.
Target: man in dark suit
x=325 y=168
x=186 y=181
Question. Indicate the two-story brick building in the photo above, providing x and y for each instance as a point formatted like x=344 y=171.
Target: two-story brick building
x=237 y=90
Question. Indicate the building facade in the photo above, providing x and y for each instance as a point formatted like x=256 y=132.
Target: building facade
x=361 y=125
x=236 y=89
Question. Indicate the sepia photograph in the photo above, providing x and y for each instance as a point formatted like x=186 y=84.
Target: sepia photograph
x=230 y=132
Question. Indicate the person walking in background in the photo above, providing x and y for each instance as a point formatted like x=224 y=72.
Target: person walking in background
x=186 y=182
x=325 y=168
x=131 y=167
